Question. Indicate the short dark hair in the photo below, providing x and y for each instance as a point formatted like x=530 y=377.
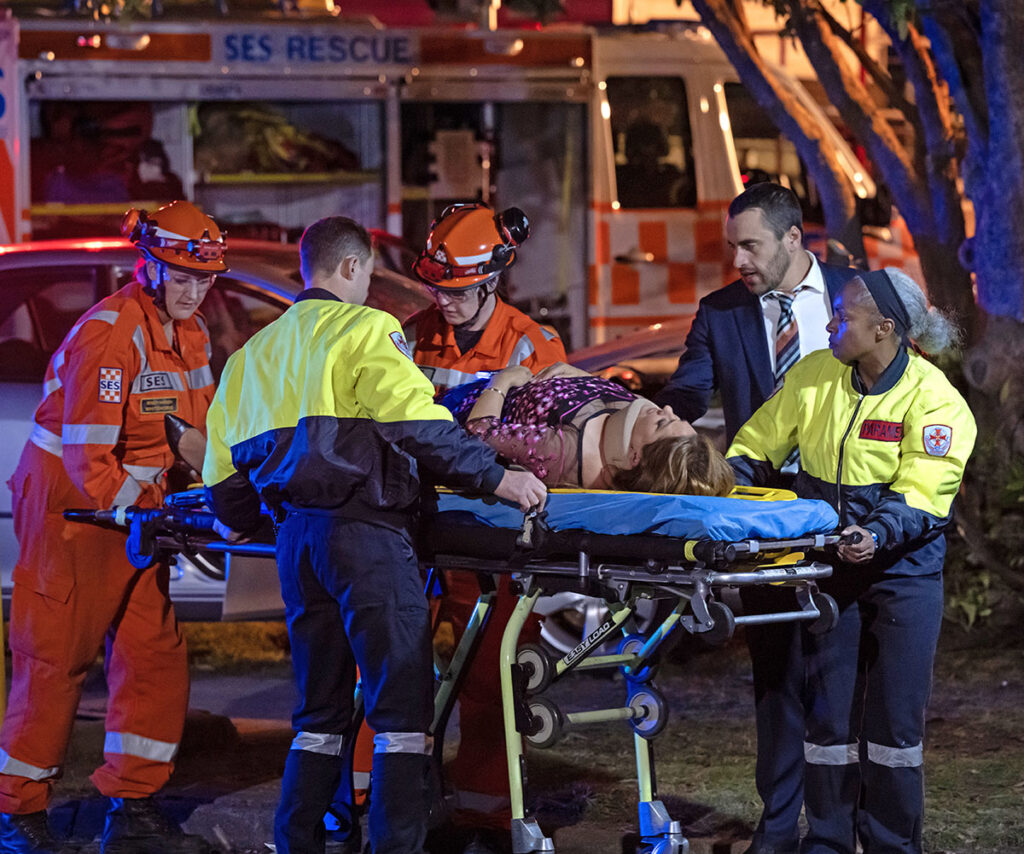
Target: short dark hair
x=329 y=241
x=778 y=206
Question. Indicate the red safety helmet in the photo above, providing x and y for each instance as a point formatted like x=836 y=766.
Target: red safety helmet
x=470 y=244
x=179 y=235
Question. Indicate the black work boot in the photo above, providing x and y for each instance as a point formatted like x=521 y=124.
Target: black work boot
x=30 y=833
x=135 y=825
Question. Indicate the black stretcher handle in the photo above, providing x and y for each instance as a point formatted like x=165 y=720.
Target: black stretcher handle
x=850 y=539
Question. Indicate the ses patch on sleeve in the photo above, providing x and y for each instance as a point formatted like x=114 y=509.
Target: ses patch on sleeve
x=938 y=438
x=110 y=385
x=398 y=339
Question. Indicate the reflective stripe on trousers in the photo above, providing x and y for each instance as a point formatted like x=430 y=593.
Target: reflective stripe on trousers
x=17 y=768
x=327 y=743
x=403 y=742
x=130 y=744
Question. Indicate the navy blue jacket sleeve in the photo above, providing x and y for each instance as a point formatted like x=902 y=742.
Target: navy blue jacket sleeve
x=689 y=389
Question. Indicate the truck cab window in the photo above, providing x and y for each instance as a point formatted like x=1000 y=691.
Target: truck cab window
x=650 y=124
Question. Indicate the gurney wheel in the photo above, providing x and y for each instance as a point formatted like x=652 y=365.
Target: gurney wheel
x=829 y=614
x=631 y=645
x=651 y=712
x=537 y=666
x=546 y=721
x=724 y=624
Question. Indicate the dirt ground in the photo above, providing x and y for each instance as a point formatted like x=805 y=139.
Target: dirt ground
x=584 y=788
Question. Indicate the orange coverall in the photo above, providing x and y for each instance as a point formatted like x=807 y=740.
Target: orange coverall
x=99 y=441
x=479 y=773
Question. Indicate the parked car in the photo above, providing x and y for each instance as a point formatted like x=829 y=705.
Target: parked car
x=46 y=285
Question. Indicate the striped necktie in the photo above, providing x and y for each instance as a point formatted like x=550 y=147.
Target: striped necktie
x=787 y=336
x=787 y=353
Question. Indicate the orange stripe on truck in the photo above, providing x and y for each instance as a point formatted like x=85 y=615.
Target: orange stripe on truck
x=707 y=234
x=625 y=285
x=682 y=283
x=161 y=47
x=653 y=237
x=7 y=204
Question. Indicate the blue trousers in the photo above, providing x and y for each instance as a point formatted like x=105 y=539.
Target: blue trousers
x=353 y=598
x=777 y=660
x=869 y=681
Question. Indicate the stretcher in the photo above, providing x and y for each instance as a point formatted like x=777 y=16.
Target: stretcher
x=688 y=556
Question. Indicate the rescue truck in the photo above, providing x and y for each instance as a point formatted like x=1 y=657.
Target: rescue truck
x=623 y=147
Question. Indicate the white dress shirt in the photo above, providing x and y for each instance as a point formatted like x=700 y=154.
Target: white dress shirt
x=812 y=308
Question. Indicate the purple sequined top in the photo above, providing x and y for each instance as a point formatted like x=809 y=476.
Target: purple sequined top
x=542 y=423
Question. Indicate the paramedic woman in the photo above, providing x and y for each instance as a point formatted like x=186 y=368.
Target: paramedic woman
x=884 y=438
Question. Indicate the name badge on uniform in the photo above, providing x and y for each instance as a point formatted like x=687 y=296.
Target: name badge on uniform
x=110 y=385
x=938 y=438
x=159 y=404
x=882 y=431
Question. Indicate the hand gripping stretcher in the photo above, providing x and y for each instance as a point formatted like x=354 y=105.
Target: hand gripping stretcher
x=689 y=556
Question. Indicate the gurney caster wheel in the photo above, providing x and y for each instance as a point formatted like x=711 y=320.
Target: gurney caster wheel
x=829 y=614
x=546 y=723
x=724 y=624
x=650 y=712
x=631 y=645
x=537 y=665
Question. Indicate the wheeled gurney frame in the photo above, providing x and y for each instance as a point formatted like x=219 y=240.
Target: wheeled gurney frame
x=691 y=576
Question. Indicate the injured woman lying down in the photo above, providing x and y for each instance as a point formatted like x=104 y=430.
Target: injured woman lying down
x=573 y=429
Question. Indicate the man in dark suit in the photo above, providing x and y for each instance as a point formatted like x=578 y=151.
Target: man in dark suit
x=743 y=340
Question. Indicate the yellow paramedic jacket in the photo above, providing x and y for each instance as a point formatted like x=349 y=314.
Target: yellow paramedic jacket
x=324 y=409
x=890 y=460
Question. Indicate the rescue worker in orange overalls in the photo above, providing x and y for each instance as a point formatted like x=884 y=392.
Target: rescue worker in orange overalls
x=471 y=333
x=99 y=442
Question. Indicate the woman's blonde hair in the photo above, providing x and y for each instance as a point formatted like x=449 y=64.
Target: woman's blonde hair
x=682 y=465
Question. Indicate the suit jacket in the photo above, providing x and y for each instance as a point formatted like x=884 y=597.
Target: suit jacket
x=726 y=349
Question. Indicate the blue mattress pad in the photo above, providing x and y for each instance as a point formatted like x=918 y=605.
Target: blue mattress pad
x=687 y=517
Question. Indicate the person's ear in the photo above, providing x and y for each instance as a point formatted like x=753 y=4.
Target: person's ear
x=348 y=266
x=153 y=272
x=885 y=329
x=793 y=238
x=634 y=457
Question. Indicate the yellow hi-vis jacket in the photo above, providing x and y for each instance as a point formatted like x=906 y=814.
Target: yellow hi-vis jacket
x=324 y=409
x=890 y=460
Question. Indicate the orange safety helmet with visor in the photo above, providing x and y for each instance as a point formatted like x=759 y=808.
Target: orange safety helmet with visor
x=469 y=245
x=178 y=235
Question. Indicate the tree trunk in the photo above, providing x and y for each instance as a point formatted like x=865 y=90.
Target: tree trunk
x=791 y=118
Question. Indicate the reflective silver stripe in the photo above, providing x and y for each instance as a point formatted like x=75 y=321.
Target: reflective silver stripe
x=17 y=768
x=896 y=757
x=43 y=438
x=360 y=779
x=328 y=743
x=90 y=434
x=148 y=473
x=50 y=386
x=448 y=377
x=206 y=334
x=129 y=491
x=106 y=316
x=403 y=742
x=129 y=744
x=834 y=754
x=549 y=334
x=200 y=377
x=157 y=381
x=479 y=802
x=139 y=339
x=523 y=350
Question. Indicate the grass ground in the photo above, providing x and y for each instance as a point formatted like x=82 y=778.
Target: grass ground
x=974 y=752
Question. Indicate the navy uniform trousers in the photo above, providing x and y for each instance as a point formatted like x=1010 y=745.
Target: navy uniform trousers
x=868 y=683
x=777 y=659
x=353 y=597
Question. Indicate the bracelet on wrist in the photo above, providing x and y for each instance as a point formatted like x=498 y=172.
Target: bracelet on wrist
x=495 y=389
